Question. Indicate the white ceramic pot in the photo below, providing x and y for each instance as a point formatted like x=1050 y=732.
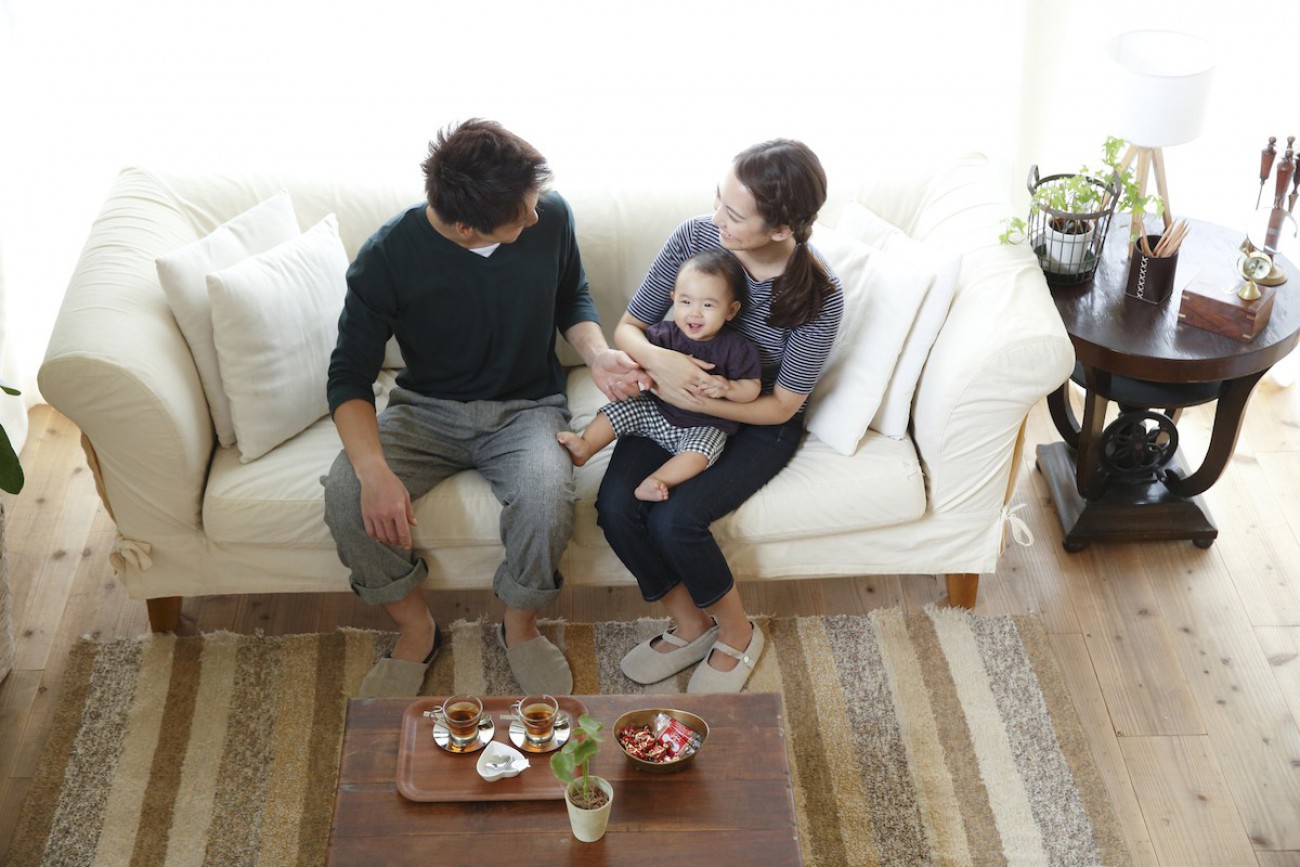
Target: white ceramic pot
x=589 y=825
x=1067 y=253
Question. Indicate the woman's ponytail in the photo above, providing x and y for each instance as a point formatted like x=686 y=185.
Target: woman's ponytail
x=789 y=187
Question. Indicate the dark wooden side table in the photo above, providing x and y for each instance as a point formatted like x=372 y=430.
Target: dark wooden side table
x=1126 y=481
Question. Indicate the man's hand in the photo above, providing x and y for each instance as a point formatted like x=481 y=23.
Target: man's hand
x=617 y=376
x=386 y=508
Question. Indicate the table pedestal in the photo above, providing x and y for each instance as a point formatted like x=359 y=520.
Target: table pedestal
x=1125 y=512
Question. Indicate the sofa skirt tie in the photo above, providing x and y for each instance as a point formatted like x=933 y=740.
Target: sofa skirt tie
x=1019 y=529
x=129 y=552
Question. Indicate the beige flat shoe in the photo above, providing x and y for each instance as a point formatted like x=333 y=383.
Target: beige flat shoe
x=538 y=665
x=644 y=664
x=708 y=679
x=398 y=678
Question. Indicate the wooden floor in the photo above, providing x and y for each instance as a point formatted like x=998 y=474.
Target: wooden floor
x=1184 y=664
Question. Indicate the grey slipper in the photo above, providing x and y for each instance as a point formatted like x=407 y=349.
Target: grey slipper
x=644 y=664
x=398 y=678
x=708 y=679
x=538 y=665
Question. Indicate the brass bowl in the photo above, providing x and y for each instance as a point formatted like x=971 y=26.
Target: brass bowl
x=645 y=717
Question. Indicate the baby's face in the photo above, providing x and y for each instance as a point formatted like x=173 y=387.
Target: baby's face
x=702 y=304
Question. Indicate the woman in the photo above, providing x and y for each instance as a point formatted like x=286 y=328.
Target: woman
x=763 y=213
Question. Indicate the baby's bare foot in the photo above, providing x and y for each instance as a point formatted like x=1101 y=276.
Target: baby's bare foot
x=651 y=491
x=575 y=445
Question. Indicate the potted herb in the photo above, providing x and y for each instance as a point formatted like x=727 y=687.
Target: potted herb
x=11 y=471
x=1069 y=215
x=11 y=480
x=588 y=797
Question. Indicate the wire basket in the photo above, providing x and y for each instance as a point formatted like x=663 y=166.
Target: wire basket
x=1068 y=245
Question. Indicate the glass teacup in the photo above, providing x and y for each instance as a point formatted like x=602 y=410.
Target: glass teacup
x=461 y=714
x=538 y=714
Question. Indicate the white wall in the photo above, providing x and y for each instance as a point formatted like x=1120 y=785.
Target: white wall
x=671 y=89
x=1216 y=176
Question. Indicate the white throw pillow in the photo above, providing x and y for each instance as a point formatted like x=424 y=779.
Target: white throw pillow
x=862 y=223
x=275 y=320
x=183 y=275
x=882 y=294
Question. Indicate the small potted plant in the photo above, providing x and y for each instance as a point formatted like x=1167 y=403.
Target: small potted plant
x=1069 y=215
x=11 y=471
x=11 y=480
x=588 y=797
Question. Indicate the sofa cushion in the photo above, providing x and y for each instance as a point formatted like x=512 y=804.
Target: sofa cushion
x=882 y=294
x=275 y=323
x=862 y=223
x=278 y=499
x=183 y=277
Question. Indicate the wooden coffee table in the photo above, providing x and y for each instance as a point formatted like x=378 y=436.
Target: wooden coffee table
x=733 y=805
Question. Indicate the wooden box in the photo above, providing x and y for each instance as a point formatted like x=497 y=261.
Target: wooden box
x=1210 y=302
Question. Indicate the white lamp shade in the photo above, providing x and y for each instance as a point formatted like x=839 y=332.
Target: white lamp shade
x=1161 y=84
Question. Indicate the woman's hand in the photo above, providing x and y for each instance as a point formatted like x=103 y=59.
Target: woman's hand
x=683 y=380
x=677 y=378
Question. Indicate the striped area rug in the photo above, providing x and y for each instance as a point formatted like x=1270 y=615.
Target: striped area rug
x=934 y=738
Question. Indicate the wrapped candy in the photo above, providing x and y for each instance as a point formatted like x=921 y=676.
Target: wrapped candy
x=665 y=740
x=680 y=739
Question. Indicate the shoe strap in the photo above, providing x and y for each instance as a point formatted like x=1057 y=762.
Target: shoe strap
x=669 y=638
x=734 y=653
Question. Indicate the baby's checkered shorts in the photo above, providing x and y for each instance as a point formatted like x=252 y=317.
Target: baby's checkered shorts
x=640 y=416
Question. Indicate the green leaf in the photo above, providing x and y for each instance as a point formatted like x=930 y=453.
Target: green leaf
x=570 y=761
x=7 y=388
x=11 y=471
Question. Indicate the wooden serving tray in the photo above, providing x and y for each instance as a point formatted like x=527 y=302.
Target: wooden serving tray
x=426 y=772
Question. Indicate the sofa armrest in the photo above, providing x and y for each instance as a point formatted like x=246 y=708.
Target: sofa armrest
x=119 y=368
x=1001 y=350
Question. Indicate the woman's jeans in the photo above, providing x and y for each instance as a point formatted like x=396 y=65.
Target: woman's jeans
x=669 y=542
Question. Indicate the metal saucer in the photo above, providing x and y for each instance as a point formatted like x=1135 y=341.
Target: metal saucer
x=442 y=738
x=559 y=737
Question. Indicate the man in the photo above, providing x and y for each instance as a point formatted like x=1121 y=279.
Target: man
x=474 y=284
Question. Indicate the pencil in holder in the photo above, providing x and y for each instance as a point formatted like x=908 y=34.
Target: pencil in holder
x=1150 y=278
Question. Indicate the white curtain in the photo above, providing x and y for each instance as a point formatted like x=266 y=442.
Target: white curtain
x=670 y=90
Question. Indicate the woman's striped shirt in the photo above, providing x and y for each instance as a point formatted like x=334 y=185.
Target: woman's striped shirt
x=792 y=358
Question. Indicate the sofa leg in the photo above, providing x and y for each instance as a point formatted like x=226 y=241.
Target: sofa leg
x=164 y=613
x=963 y=588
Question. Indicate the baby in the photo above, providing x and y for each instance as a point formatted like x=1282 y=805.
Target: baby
x=709 y=291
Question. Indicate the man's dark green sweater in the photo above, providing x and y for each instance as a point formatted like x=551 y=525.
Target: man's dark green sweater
x=469 y=327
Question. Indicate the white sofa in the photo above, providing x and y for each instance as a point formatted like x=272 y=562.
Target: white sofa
x=194 y=520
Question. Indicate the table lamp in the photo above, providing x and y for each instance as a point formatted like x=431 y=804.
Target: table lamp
x=1161 y=79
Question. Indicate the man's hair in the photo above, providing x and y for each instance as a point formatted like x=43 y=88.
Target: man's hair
x=720 y=262
x=480 y=174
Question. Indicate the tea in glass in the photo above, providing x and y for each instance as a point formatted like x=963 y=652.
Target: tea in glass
x=461 y=715
x=538 y=714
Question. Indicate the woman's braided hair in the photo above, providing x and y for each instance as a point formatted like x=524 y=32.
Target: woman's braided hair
x=789 y=187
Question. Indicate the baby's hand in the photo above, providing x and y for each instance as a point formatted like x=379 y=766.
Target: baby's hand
x=718 y=387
